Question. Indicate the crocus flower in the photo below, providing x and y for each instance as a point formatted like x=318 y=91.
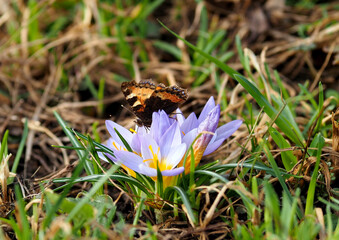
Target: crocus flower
x=159 y=147
x=210 y=138
x=164 y=144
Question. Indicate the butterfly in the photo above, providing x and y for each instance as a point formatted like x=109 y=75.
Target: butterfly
x=145 y=98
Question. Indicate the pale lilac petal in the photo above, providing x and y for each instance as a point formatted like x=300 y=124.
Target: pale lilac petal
x=175 y=156
x=130 y=160
x=173 y=172
x=210 y=123
x=136 y=143
x=127 y=135
x=190 y=136
x=160 y=123
x=180 y=116
x=141 y=130
x=202 y=142
x=177 y=137
x=151 y=172
x=168 y=139
x=208 y=107
x=109 y=143
x=146 y=152
x=222 y=134
x=190 y=123
x=114 y=147
x=228 y=129
x=102 y=155
x=212 y=146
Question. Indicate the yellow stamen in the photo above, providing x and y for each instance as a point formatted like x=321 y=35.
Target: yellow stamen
x=116 y=147
x=155 y=156
x=145 y=160
x=121 y=148
x=132 y=130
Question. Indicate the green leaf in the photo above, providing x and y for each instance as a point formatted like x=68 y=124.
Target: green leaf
x=272 y=208
x=278 y=174
x=75 y=143
x=24 y=226
x=176 y=52
x=313 y=182
x=187 y=204
x=95 y=177
x=288 y=159
x=159 y=182
x=288 y=213
x=211 y=174
x=85 y=213
x=75 y=211
x=127 y=146
x=282 y=121
x=4 y=149
x=20 y=149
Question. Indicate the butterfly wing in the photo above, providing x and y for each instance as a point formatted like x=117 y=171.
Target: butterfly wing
x=167 y=98
x=145 y=98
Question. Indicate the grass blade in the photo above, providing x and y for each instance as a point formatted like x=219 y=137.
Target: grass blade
x=92 y=192
x=75 y=143
x=187 y=204
x=293 y=133
x=311 y=188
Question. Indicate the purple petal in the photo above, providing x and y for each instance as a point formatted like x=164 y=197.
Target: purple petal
x=210 y=123
x=146 y=152
x=180 y=116
x=177 y=138
x=190 y=123
x=130 y=160
x=175 y=155
x=151 y=172
x=160 y=123
x=173 y=172
x=208 y=107
x=167 y=140
x=190 y=136
x=102 y=157
x=212 y=146
x=109 y=144
x=222 y=134
x=141 y=130
x=136 y=143
x=127 y=135
x=228 y=129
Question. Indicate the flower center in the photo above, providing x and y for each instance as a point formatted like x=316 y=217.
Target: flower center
x=156 y=162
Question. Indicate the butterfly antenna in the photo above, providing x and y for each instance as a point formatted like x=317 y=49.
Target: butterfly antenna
x=129 y=110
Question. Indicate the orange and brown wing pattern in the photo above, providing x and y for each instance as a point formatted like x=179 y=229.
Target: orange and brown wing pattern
x=137 y=93
x=145 y=98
